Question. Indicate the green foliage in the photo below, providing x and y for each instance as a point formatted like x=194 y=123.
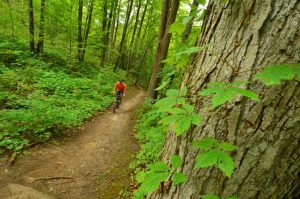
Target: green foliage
x=179 y=178
x=215 y=153
x=224 y=92
x=181 y=57
x=157 y=173
x=211 y=196
x=178 y=115
x=37 y=101
x=273 y=75
x=176 y=161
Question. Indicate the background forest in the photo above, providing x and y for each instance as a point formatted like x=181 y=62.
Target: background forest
x=223 y=117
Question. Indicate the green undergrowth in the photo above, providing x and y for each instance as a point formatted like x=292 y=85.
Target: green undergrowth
x=151 y=137
x=39 y=99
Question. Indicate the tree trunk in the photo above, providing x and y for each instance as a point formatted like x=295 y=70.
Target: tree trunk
x=168 y=17
x=118 y=22
x=189 y=26
x=31 y=25
x=142 y=20
x=40 y=44
x=9 y=2
x=87 y=27
x=113 y=23
x=129 y=8
x=245 y=36
x=104 y=29
x=133 y=35
x=79 y=32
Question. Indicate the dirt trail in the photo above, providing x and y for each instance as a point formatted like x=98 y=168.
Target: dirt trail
x=97 y=162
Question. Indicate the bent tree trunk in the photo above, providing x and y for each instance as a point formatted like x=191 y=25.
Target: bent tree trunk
x=245 y=36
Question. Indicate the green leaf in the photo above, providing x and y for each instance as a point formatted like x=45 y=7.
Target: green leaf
x=247 y=93
x=152 y=182
x=209 y=91
x=159 y=166
x=196 y=119
x=201 y=2
x=232 y=197
x=206 y=159
x=182 y=125
x=225 y=163
x=275 y=74
x=227 y=147
x=163 y=85
x=170 y=119
x=176 y=27
x=210 y=196
x=189 y=108
x=296 y=69
x=222 y=97
x=172 y=93
x=176 y=162
x=177 y=111
x=206 y=143
x=179 y=178
x=140 y=176
x=187 y=19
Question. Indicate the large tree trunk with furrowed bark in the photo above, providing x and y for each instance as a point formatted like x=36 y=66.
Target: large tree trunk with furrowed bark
x=244 y=37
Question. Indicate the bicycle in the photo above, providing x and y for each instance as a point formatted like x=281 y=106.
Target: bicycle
x=117 y=101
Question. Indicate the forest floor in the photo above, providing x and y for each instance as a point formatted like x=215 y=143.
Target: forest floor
x=92 y=162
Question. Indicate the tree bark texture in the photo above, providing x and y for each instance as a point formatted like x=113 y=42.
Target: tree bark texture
x=168 y=17
x=40 y=44
x=31 y=25
x=245 y=36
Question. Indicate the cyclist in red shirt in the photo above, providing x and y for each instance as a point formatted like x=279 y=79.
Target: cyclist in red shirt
x=120 y=89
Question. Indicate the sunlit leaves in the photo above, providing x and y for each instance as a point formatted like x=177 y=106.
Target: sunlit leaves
x=178 y=178
x=211 y=196
x=273 y=75
x=224 y=92
x=176 y=161
x=215 y=154
x=181 y=57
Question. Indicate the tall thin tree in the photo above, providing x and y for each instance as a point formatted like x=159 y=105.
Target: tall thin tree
x=129 y=9
x=40 y=44
x=31 y=25
x=168 y=16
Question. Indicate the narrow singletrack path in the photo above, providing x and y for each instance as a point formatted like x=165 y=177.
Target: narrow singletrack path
x=93 y=164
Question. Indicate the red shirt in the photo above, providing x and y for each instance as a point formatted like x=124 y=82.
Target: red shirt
x=120 y=86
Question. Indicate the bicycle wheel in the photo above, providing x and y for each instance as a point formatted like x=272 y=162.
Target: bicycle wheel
x=115 y=107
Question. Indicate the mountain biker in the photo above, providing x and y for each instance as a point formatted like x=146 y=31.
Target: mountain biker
x=120 y=89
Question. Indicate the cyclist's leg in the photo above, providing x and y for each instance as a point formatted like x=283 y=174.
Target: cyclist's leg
x=121 y=95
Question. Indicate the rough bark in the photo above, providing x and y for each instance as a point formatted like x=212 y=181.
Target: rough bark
x=168 y=17
x=40 y=44
x=129 y=8
x=79 y=31
x=246 y=36
x=31 y=25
